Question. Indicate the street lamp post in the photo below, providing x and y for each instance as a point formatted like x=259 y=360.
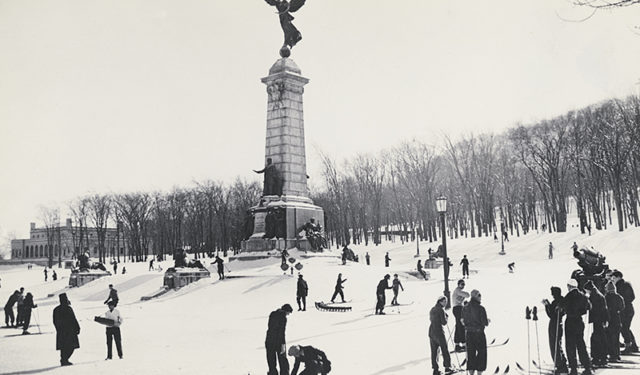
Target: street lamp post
x=502 y=229
x=441 y=206
x=417 y=243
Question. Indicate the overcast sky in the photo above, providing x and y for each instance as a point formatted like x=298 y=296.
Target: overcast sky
x=128 y=95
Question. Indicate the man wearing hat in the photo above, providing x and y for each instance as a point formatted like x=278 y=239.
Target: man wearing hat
x=301 y=293
x=113 y=332
x=67 y=329
x=615 y=304
x=315 y=361
x=575 y=304
x=381 y=297
x=437 y=339
x=275 y=341
x=599 y=316
x=474 y=318
x=626 y=291
x=555 y=314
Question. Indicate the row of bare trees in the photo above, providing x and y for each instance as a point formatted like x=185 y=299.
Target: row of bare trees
x=530 y=177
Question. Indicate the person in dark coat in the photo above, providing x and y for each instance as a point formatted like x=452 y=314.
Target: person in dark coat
x=67 y=330
x=615 y=306
x=9 y=318
x=626 y=291
x=381 y=297
x=275 y=342
x=437 y=339
x=474 y=318
x=339 y=288
x=575 y=304
x=465 y=267
x=396 y=285
x=27 y=306
x=315 y=361
x=386 y=259
x=421 y=269
x=54 y=275
x=220 y=264
x=302 y=291
x=599 y=317
x=555 y=314
x=113 y=295
x=20 y=309
x=46 y=274
x=367 y=258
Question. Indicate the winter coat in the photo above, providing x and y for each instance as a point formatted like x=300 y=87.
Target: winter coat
x=220 y=263
x=615 y=304
x=303 y=288
x=438 y=318
x=339 y=283
x=474 y=316
x=382 y=285
x=599 y=313
x=575 y=304
x=464 y=262
x=67 y=327
x=113 y=296
x=276 y=328
x=626 y=291
x=12 y=300
x=313 y=359
x=554 y=311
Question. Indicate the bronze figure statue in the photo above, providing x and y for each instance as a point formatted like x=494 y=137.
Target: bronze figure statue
x=272 y=179
x=291 y=34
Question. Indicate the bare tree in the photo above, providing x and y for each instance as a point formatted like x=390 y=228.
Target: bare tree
x=100 y=211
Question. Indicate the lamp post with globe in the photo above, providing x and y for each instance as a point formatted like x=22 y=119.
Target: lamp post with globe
x=441 y=206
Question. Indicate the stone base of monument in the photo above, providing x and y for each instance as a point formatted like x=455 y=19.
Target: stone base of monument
x=80 y=278
x=433 y=263
x=175 y=278
x=281 y=217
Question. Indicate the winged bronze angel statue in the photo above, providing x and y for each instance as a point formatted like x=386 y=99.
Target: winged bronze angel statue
x=291 y=34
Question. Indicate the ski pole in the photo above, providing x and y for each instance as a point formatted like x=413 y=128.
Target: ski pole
x=37 y=316
x=555 y=350
x=527 y=315
x=535 y=319
x=455 y=352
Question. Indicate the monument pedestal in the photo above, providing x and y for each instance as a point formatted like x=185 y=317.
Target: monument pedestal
x=175 y=278
x=78 y=279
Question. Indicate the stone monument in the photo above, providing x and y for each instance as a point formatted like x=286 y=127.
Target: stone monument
x=285 y=206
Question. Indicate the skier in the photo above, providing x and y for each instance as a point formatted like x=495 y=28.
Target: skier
x=315 y=361
x=421 y=270
x=459 y=296
x=437 y=339
x=367 y=258
x=615 y=304
x=302 y=291
x=338 y=288
x=555 y=313
x=383 y=285
x=67 y=330
x=113 y=296
x=575 y=304
x=113 y=332
x=465 y=267
x=345 y=254
x=46 y=274
x=151 y=265
x=275 y=342
x=505 y=235
x=599 y=317
x=115 y=268
x=124 y=270
x=386 y=259
x=20 y=309
x=511 y=266
x=474 y=318
x=550 y=250
x=574 y=247
x=54 y=275
x=396 y=286
x=9 y=318
x=626 y=291
x=220 y=264
x=27 y=306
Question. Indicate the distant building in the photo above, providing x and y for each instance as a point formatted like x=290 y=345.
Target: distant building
x=36 y=247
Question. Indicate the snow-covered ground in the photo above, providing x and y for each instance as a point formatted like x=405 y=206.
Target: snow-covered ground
x=214 y=327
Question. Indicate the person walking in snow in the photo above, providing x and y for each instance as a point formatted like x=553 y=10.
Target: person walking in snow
x=381 y=297
x=46 y=274
x=54 y=275
x=115 y=268
x=437 y=339
x=27 y=306
x=474 y=318
x=339 y=288
x=151 y=265
x=465 y=267
x=113 y=296
x=626 y=291
x=220 y=264
x=275 y=342
x=386 y=259
x=599 y=316
x=315 y=361
x=575 y=304
x=302 y=290
x=396 y=286
x=550 y=250
x=67 y=330
x=615 y=305
x=367 y=258
x=113 y=331
x=555 y=314
x=459 y=297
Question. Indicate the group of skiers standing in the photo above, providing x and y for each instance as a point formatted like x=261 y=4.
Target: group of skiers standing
x=25 y=305
x=610 y=310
